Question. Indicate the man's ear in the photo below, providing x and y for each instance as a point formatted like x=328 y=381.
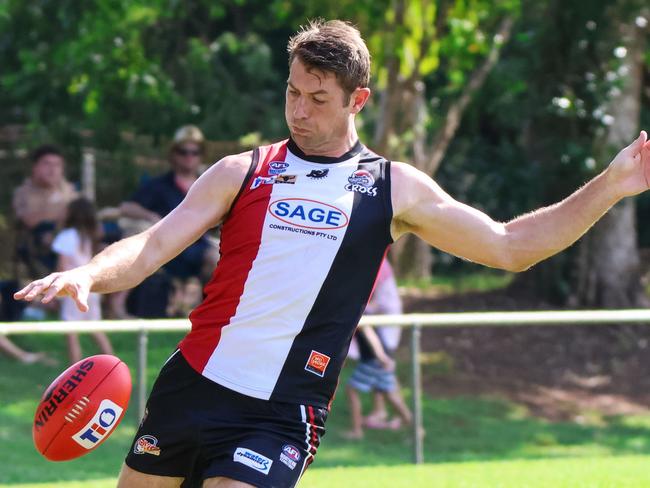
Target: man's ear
x=359 y=98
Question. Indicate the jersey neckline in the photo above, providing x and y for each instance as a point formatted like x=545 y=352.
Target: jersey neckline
x=296 y=151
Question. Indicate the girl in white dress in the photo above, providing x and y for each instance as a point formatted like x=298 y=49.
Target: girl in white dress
x=75 y=246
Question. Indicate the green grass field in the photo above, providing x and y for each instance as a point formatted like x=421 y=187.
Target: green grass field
x=470 y=442
x=608 y=472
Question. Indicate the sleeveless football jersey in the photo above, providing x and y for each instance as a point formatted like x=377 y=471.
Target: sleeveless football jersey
x=300 y=251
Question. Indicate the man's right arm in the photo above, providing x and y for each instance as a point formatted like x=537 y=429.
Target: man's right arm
x=127 y=262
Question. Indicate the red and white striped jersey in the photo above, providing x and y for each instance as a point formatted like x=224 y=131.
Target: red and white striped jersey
x=300 y=251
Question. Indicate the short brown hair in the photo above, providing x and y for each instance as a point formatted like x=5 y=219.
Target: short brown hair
x=334 y=46
x=44 y=150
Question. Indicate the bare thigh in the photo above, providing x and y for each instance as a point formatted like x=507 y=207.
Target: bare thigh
x=130 y=478
x=220 y=482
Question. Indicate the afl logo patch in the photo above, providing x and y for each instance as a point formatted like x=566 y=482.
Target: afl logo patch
x=290 y=456
x=308 y=214
x=277 y=167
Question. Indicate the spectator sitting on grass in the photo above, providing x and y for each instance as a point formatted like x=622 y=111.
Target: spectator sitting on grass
x=39 y=205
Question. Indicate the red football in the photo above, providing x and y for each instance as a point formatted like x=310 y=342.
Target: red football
x=81 y=408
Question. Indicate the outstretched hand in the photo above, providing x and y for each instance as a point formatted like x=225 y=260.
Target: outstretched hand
x=74 y=283
x=630 y=168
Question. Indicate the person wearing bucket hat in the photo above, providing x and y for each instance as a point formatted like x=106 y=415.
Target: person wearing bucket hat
x=158 y=196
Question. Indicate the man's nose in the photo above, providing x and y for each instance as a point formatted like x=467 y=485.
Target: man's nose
x=300 y=109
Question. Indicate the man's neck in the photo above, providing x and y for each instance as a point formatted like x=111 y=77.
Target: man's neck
x=42 y=185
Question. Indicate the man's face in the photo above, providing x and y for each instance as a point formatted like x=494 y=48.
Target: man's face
x=186 y=157
x=48 y=171
x=314 y=109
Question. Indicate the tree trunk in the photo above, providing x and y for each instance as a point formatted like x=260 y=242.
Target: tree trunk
x=412 y=256
x=390 y=97
x=608 y=273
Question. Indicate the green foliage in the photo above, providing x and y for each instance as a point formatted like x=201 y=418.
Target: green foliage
x=121 y=65
x=533 y=133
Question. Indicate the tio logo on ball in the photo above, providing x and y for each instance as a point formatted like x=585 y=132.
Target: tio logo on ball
x=102 y=423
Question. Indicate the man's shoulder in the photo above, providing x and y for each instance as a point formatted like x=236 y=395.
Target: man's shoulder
x=236 y=162
x=68 y=189
x=407 y=174
x=231 y=169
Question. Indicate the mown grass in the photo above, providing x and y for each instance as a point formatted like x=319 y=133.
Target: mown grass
x=477 y=435
x=610 y=472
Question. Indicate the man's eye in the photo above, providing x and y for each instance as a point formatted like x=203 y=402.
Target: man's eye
x=293 y=93
x=319 y=102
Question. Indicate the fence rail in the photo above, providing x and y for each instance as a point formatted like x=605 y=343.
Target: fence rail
x=414 y=321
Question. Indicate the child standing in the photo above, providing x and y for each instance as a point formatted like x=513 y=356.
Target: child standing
x=75 y=246
x=375 y=371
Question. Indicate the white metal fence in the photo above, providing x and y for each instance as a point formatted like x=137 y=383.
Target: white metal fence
x=414 y=321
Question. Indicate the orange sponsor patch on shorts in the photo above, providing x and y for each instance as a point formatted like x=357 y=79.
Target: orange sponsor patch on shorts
x=317 y=363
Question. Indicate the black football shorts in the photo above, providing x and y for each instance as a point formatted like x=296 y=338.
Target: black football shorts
x=197 y=429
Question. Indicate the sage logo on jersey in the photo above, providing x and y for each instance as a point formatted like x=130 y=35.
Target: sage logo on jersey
x=317 y=363
x=362 y=182
x=146 y=444
x=308 y=214
x=277 y=167
x=290 y=455
x=102 y=423
x=253 y=460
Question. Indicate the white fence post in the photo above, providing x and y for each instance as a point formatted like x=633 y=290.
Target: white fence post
x=418 y=448
x=143 y=339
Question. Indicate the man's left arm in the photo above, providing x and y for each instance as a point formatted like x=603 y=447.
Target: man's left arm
x=422 y=207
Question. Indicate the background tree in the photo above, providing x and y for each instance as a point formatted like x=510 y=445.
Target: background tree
x=515 y=124
x=431 y=59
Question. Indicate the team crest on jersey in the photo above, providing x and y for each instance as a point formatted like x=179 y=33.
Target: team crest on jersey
x=318 y=174
x=362 y=182
x=146 y=444
x=277 y=167
x=317 y=363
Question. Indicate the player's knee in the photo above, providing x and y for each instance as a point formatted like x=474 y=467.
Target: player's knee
x=221 y=482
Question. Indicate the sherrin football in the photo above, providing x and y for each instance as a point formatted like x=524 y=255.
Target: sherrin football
x=82 y=407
